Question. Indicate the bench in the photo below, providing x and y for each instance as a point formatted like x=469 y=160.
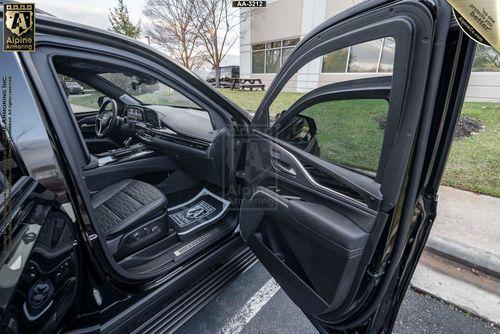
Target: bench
x=251 y=83
x=251 y=86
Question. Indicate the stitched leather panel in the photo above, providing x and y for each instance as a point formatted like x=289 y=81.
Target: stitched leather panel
x=129 y=199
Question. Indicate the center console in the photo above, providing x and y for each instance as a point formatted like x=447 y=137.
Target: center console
x=123 y=154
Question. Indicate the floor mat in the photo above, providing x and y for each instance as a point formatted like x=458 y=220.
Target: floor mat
x=201 y=211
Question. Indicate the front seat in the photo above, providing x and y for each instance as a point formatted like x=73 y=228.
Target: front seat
x=132 y=215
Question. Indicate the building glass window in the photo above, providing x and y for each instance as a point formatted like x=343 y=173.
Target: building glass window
x=370 y=57
x=285 y=54
x=269 y=57
x=387 y=57
x=273 y=61
x=258 y=62
x=335 y=62
x=363 y=58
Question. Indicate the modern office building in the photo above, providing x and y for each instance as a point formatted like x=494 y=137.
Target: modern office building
x=268 y=35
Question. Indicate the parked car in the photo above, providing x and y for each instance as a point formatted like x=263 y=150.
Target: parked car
x=227 y=73
x=74 y=88
x=195 y=190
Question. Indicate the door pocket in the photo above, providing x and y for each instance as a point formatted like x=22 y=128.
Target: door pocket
x=322 y=238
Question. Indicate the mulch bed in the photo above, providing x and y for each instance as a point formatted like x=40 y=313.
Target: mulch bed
x=466 y=126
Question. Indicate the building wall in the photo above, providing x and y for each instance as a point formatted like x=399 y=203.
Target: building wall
x=283 y=19
x=280 y=19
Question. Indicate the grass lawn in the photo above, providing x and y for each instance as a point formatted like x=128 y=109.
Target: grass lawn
x=474 y=162
x=352 y=136
x=89 y=99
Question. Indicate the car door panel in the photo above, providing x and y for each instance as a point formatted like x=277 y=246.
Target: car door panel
x=331 y=228
x=325 y=231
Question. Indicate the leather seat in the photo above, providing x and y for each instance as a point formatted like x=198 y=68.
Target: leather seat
x=131 y=214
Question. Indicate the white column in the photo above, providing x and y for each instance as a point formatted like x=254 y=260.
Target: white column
x=245 y=44
x=313 y=14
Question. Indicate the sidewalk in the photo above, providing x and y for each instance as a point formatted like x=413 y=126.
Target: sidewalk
x=461 y=261
x=467 y=230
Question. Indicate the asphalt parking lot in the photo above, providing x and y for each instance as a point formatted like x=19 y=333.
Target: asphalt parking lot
x=253 y=303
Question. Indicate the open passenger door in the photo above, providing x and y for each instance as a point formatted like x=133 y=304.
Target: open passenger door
x=342 y=237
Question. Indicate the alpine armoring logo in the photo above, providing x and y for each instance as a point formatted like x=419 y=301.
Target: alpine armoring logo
x=19 y=27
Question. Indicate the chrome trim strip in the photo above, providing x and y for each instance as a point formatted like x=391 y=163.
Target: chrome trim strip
x=268 y=195
x=315 y=183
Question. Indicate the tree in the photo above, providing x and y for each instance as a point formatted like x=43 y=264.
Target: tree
x=487 y=59
x=214 y=21
x=121 y=22
x=172 y=28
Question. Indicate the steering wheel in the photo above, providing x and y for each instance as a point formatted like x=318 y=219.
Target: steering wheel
x=106 y=118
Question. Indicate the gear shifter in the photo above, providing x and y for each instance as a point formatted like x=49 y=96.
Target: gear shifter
x=127 y=142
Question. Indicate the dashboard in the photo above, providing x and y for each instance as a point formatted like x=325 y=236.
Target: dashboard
x=147 y=116
x=184 y=134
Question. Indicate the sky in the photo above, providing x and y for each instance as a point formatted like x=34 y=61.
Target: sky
x=95 y=12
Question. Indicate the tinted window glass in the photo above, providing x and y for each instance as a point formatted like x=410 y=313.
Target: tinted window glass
x=81 y=97
x=387 y=58
x=149 y=91
x=347 y=132
x=350 y=132
x=273 y=60
x=364 y=57
x=258 y=47
x=285 y=54
x=335 y=62
x=269 y=57
x=258 y=62
x=291 y=42
x=369 y=57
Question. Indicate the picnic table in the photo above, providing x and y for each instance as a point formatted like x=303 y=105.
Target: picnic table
x=247 y=83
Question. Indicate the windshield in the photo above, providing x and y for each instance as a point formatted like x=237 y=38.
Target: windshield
x=149 y=91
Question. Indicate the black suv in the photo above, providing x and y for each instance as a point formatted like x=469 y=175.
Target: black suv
x=128 y=208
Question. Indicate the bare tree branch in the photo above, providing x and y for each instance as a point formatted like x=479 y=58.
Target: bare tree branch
x=214 y=21
x=172 y=28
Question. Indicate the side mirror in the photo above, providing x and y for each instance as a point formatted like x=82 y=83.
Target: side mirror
x=301 y=132
x=135 y=86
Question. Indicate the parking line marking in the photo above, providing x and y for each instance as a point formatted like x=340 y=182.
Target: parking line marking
x=251 y=308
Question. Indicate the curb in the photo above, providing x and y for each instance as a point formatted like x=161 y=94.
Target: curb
x=478 y=259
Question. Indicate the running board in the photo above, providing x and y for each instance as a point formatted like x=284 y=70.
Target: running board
x=187 y=305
